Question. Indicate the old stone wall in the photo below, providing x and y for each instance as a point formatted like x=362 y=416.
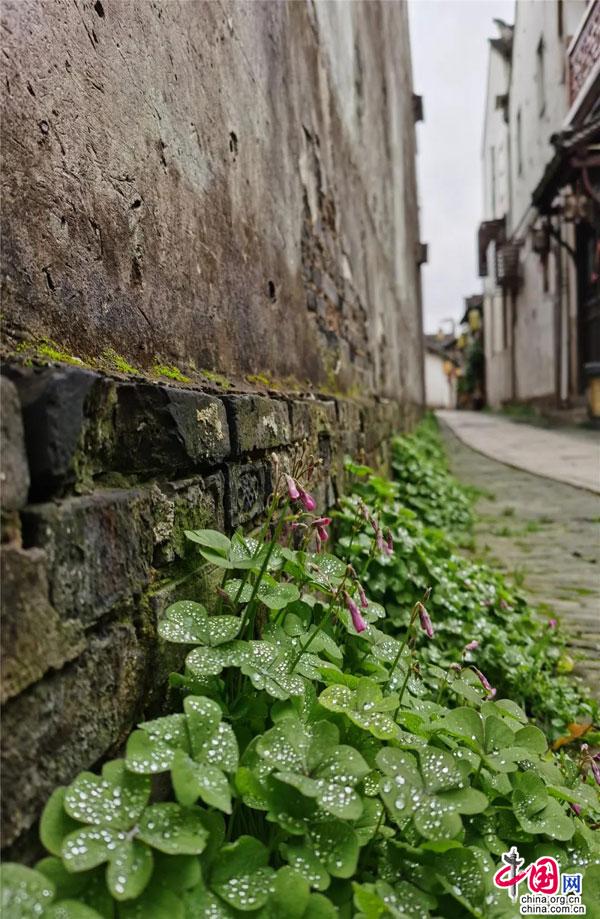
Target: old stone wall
x=210 y=244
x=225 y=186
x=116 y=470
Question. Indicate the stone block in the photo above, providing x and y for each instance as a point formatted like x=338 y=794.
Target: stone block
x=248 y=488
x=53 y=402
x=67 y=722
x=33 y=638
x=311 y=417
x=99 y=549
x=14 y=471
x=160 y=428
x=185 y=505
x=257 y=423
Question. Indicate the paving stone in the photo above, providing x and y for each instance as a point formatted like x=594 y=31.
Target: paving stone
x=257 y=423
x=546 y=534
x=33 y=638
x=14 y=471
x=99 y=549
x=66 y=722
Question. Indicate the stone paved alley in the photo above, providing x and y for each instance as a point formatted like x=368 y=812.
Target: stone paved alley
x=544 y=533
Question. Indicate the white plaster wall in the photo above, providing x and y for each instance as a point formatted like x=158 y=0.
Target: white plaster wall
x=440 y=391
x=535 y=20
x=534 y=329
x=495 y=137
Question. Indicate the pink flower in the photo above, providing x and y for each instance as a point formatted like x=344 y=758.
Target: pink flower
x=363 y=597
x=306 y=500
x=380 y=542
x=292 y=488
x=389 y=543
x=472 y=646
x=320 y=523
x=576 y=808
x=358 y=621
x=595 y=770
x=425 y=620
x=486 y=684
x=552 y=623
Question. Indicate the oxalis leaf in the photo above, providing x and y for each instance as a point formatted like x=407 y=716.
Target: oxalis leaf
x=240 y=874
x=365 y=706
x=311 y=761
x=24 y=893
x=404 y=792
x=185 y=622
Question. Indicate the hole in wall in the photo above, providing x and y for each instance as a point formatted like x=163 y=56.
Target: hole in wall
x=99 y=9
x=271 y=291
x=233 y=142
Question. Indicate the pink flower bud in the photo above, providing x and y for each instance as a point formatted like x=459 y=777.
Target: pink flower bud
x=358 y=621
x=322 y=522
x=363 y=597
x=552 y=623
x=595 y=770
x=322 y=534
x=576 y=808
x=472 y=646
x=485 y=683
x=389 y=543
x=425 y=620
x=306 y=500
x=292 y=488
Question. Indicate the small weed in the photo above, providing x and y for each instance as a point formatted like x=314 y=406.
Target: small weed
x=119 y=363
x=217 y=378
x=172 y=373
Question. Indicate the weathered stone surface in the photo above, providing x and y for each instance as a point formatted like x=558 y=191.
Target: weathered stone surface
x=162 y=428
x=53 y=401
x=257 y=423
x=138 y=219
x=310 y=417
x=67 y=722
x=99 y=549
x=248 y=488
x=14 y=474
x=185 y=505
x=33 y=638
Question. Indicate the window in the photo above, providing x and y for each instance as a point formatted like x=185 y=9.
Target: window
x=540 y=76
x=519 y=144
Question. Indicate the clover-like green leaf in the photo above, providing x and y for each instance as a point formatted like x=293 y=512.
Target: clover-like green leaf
x=240 y=874
x=55 y=823
x=114 y=800
x=185 y=622
x=70 y=909
x=129 y=869
x=303 y=859
x=335 y=844
x=269 y=668
x=173 y=830
x=537 y=812
x=90 y=846
x=365 y=706
x=211 y=539
x=465 y=723
x=289 y=896
x=24 y=893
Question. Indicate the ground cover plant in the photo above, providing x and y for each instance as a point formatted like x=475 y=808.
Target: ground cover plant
x=326 y=760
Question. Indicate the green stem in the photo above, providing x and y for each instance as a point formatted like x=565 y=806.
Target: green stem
x=320 y=626
x=249 y=611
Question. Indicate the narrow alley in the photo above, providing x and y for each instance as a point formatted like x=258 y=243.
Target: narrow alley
x=543 y=532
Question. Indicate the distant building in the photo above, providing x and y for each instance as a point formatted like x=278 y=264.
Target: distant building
x=539 y=239
x=441 y=371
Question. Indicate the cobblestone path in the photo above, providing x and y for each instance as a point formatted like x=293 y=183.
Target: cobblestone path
x=546 y=536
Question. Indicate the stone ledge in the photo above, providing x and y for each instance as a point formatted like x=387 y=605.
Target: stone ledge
x=257 y=423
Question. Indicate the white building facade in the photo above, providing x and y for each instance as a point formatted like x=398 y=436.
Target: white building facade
x=529 y=255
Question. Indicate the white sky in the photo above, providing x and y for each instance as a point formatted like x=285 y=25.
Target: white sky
x=449 y=54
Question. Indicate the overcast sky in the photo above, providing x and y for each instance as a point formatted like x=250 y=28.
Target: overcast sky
x=449 y=52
